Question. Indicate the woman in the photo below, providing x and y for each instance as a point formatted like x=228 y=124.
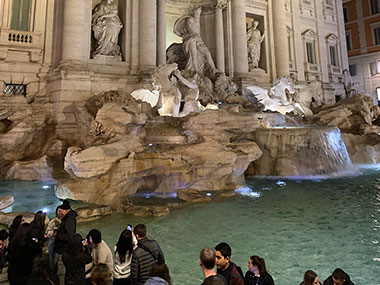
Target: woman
x=17 y=221
x=106 y=25
x=123 y=256
x=75 y=259
x=310 y=278
x=257 y=273
x=38 y=229
x=159 y=275
x=22 y=252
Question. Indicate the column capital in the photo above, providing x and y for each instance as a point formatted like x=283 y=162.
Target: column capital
x=221 y=4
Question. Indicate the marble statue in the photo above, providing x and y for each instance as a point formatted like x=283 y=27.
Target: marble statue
x=198 y=55
x=106 y=25
x=170 y=87
x=254 y=45
x=307 y=94
x=279 y=98
x=347 y=82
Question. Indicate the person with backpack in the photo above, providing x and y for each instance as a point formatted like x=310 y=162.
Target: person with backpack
x=147 y=253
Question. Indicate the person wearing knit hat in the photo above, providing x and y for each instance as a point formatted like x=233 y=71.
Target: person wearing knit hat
x=67 y=228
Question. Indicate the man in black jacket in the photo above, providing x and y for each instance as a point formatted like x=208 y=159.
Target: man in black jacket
x=144 y=256
x=339 y=277
x=67 y=228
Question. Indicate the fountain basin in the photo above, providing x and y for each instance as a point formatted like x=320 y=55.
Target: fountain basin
x=301 y=151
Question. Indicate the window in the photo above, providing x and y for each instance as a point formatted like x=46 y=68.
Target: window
x=375 y=67
x=20 y=15
x=376 y=35
x=15 y=89
x=352 y=68
x=348 y=41
x=310 y=52
x=345 y=14
x=375 y=6
x=333 y=57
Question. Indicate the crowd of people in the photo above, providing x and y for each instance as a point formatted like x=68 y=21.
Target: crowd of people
x=134 y=260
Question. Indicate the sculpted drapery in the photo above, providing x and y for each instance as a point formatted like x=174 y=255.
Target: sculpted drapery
x=254 y=45
x=106 y=25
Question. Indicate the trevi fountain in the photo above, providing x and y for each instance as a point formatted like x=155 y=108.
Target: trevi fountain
x=200 y=153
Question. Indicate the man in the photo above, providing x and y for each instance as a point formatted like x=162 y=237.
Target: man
x=339 y=277
x=67 y=228
x=144 y=256
x=229 y=270
x=207 y=264
x=100 y=253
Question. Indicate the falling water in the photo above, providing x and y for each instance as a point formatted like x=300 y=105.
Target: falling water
x=298 y=151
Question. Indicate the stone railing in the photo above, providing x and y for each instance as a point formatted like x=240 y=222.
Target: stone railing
x=20 y=38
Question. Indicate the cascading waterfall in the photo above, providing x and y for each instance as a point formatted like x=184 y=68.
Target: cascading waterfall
x=299 y=151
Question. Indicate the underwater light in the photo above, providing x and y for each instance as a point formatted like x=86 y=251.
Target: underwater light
x=147 y=196
x=208 y=194
x=281 y=183
x=150 y=144
x=45 y=210
x=45 y=187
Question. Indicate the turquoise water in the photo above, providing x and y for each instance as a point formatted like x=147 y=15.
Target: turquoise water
x=295 y=225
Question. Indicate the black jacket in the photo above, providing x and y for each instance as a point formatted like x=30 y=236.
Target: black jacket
x=329 y=281
x=65 y=231
x=251 y=279
x=143 y=258
x=74 y=265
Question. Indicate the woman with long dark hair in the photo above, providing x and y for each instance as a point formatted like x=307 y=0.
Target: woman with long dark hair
x=310 y=278
x=22 y=251
x=75 y=258
x=257 y=273
x=38 y=229
x=159 y=275
x=123 y=256
x=17 y=221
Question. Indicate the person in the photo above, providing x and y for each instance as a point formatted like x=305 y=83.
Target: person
x=229 y=270
x=17 y=221
x=106 y=25
x=188 y=28
x=41 y=274
x=144 y=256
x=21 y=253
x=257 y=273
x=338 y=277
x=159 y=275
x=67 y=228
x=50 y=233
x=101 y=275
x=100 y=252
x=75 y=258
x=254 y=45
x=38 y=229
x=207 y=264
x=310 y=278
x=123 y=256
x=3 y=248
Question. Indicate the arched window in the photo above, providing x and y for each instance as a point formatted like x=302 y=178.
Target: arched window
x=21 y=15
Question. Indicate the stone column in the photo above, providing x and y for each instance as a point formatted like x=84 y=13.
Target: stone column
x=219 y=34
x=76 y=39
x=147 y=33
x=280 y=38
x=161 y=32
x=240 y=50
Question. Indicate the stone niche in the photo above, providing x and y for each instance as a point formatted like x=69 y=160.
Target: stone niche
x=261 y=27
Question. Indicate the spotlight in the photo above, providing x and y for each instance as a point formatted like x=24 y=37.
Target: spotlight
x=45 y=210
x=147 y=196
x=45 y=187
x=281 y=183
x=150 y=144
x=208 y=194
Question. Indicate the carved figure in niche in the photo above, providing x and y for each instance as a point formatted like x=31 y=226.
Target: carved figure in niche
x=168 y=83
x=347 y=82
x=198 y=55
x=106 y=25
x=254 y=45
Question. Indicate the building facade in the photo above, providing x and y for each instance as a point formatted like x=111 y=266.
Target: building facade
x=362 y=22
x=45 y=45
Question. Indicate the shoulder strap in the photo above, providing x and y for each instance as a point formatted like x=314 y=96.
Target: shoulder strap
x=144 y=247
